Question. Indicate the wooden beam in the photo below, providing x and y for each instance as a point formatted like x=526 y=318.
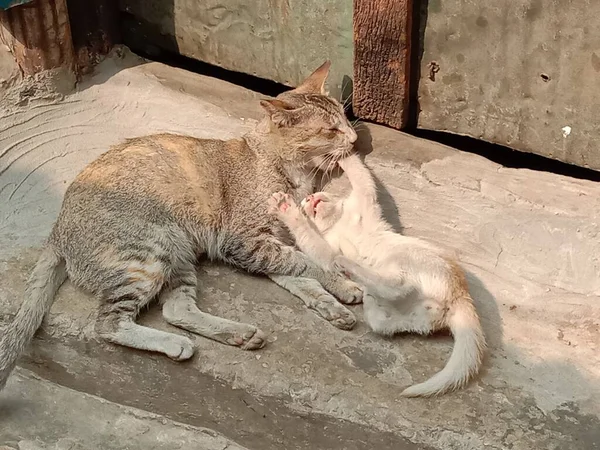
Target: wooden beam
x=382 y=30
x=95 y=27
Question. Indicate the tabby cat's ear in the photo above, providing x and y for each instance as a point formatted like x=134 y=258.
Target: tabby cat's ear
x=315 y=83
x=280 y=112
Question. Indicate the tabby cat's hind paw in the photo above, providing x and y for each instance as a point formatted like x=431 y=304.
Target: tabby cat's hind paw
x=252 y=339
x=336 y=314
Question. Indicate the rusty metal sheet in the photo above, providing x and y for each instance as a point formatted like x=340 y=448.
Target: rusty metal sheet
x=38 y=35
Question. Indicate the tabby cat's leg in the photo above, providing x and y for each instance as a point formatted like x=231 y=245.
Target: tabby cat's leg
x=269 y=256
x=116 y=324
x=180 y=310
x=318 y=299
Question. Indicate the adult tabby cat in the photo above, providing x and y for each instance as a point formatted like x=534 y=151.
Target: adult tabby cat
x=411 y=285
x=135 y=221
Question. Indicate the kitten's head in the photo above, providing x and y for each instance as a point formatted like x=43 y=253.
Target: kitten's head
x=313 y=125
x=323 y=210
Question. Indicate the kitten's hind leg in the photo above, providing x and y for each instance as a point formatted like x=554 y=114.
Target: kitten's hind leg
x=318 y=299
x=116 y=324
x=180 y=310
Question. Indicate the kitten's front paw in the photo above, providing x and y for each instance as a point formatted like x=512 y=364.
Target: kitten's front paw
x=283 y=206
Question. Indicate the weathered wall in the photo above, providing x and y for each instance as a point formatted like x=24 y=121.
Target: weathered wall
x=279 y=40
x=523 y=73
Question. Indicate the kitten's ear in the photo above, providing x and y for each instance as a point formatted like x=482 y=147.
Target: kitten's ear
x=315 y=83
x=279 y=111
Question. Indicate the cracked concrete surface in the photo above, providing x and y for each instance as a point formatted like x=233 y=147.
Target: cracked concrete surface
x=529 y=241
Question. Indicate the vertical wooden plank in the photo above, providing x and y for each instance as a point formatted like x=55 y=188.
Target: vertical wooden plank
x=38 y=35
x=382 y=30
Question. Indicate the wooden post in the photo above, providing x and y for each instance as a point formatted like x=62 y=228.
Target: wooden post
x=382 y=30
x=38 y=35
x=95 y=27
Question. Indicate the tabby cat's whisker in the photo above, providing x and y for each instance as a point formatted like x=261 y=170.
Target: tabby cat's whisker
x=319 y=167
x=347 y=103
x=345 y=83
x=330 y=167
x=311 y=175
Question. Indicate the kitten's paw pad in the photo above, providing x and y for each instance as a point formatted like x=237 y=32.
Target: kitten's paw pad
x=282 y=204
x=351 y=294
x=336 y=314
x=250 y=340
x=180 y=349
x=275 y=202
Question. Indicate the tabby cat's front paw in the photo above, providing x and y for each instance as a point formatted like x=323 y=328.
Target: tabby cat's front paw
x=347 y=291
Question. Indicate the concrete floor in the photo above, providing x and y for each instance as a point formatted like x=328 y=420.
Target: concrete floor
x=528 y=239
x=40 y=415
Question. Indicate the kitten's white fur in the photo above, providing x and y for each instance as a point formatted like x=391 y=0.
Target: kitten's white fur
x=411 y=285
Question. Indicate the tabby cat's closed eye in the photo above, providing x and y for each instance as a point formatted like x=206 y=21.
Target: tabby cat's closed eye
x=331 y=131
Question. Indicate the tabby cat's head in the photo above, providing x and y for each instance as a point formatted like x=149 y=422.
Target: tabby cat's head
x=313 y=125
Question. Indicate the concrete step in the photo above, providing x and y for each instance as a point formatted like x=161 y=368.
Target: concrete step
x=38 y=415
x=199 y=392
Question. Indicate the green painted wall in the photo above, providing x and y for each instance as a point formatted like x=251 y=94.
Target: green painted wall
x=280 y=40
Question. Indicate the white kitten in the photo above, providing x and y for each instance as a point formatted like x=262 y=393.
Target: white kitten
x=411 y=285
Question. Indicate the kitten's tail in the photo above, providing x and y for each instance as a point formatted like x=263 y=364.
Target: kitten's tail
x=47 y=276
x=469 y=346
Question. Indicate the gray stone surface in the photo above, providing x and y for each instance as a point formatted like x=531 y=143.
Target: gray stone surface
x=528 y=239
x=517 y=73
x=39 y=415
x=276 y=40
